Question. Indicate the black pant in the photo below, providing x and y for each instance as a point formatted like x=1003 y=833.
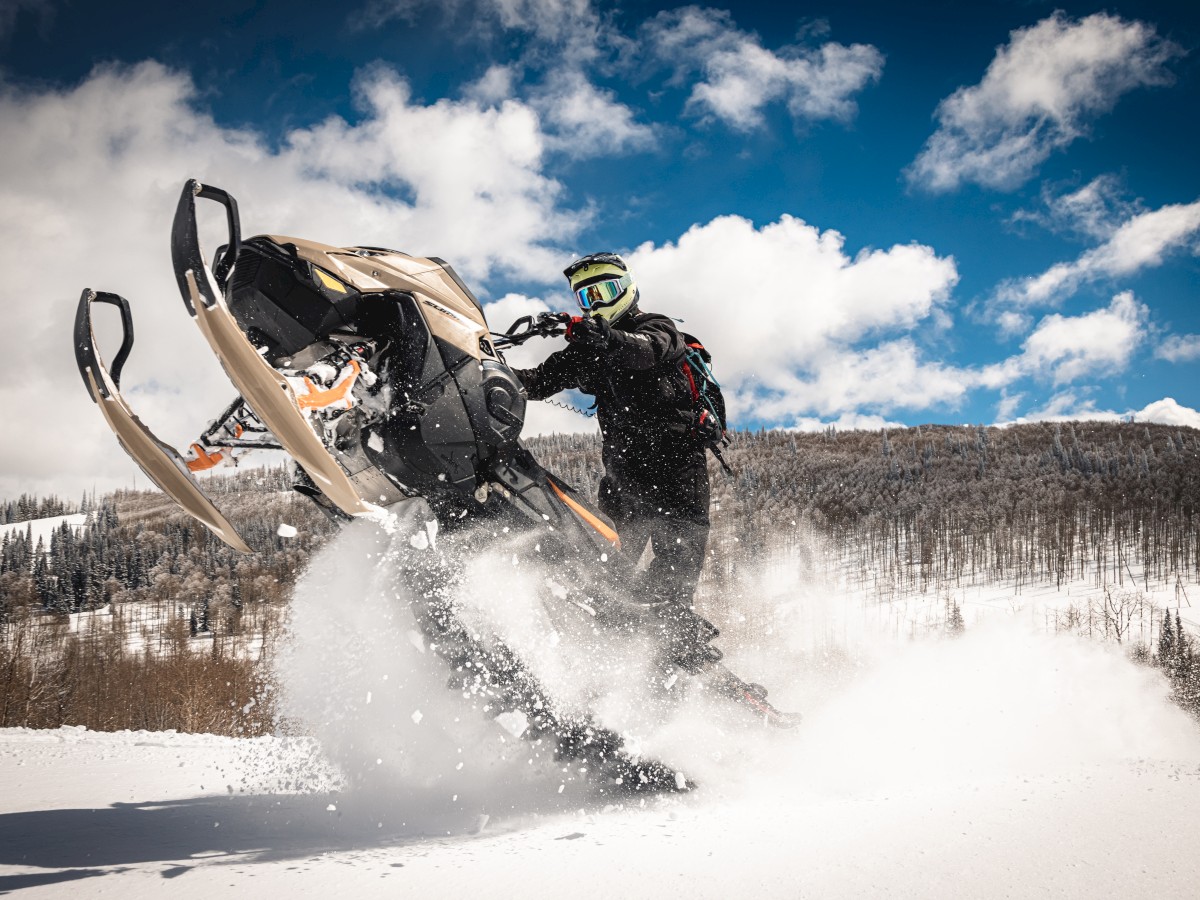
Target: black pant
x=677 y=536
x=678 y=555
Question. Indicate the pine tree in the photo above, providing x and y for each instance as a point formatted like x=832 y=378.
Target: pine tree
x=955 y=624
x=1166 y=643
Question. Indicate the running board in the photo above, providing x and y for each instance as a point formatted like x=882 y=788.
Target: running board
x=264 y=388
x=161 y=462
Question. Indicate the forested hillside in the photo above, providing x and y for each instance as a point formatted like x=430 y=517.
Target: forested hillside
x=140 y=618
x=936 y=504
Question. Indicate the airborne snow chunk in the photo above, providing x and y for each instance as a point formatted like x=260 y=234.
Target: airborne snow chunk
x=513 y=721
x=286 y=531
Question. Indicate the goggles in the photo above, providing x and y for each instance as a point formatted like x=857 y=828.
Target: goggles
x=602 y=293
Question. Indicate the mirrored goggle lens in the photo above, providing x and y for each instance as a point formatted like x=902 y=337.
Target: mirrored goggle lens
x=601 y=293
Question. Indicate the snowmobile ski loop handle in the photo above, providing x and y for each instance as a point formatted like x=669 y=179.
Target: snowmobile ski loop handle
x=85 y=348
x=234 y=222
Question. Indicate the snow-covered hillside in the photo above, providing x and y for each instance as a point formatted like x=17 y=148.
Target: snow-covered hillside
x=1006 y=762
x=42 y=529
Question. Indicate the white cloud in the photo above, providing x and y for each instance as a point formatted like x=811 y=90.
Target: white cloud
x=1179 y=348
x=840 y=380
x=1167 y=412
x=566 y=22
x=739 y=76
x=1040 y=93
x=781 y=308
x=845 y=422
x=1012 y=322
x=495 y=86
x=586 y=121
x=1065 y=348
x=1143 y=241
x=1067 y=406
x=1100 y=341
x=561 y=21
x=1008 y=405
x=1093 y=211
x=89 y=181
x=466 y=166
x=567 y=41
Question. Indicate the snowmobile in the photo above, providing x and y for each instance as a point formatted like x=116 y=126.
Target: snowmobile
x=375 y=371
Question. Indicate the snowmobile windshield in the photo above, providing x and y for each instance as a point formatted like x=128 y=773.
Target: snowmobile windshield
x=602 y=293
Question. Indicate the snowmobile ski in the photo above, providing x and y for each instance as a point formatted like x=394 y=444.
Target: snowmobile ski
x=161 y=462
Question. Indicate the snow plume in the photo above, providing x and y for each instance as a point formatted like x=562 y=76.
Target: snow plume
x=359 y=676
x=894 y=704
x=995 y=703
x=884 y=717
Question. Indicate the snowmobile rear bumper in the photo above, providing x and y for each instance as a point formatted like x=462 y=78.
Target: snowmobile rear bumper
x=161 y=462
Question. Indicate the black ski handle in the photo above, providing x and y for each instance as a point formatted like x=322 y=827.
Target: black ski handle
x=225 y=263
x=85 y=345
x=186 y=255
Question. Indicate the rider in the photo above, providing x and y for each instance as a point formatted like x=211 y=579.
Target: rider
x=655 y=485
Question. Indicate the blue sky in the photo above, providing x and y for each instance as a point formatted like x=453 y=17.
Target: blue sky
x=873 y=214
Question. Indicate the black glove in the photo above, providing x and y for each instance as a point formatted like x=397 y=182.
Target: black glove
x=708 y=428
x=590 y=333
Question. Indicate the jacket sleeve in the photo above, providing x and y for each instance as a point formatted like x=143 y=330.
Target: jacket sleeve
x=559 y=371
x=649 y=345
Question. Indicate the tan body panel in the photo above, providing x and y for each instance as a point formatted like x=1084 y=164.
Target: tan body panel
x=449 y=313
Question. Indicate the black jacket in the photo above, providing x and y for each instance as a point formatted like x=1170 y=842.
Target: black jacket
x=644 y=407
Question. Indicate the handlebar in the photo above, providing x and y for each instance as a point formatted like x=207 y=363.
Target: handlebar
x=545 y=324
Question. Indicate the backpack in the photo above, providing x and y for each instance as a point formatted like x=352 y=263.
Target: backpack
x=708 y=403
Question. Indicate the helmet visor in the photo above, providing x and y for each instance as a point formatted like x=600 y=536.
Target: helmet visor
x=601 y=293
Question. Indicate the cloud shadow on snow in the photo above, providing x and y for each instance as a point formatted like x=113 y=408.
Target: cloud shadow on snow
x=243 y=829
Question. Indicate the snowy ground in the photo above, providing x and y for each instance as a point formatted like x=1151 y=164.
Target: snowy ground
x=1061 y=774
x=1008 y=762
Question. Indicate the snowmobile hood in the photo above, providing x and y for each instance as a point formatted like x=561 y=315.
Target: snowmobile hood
x=457 y=316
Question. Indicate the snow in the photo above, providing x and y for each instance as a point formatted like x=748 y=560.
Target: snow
x=44 y=528
x=930 y=777
x=1005 y=762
